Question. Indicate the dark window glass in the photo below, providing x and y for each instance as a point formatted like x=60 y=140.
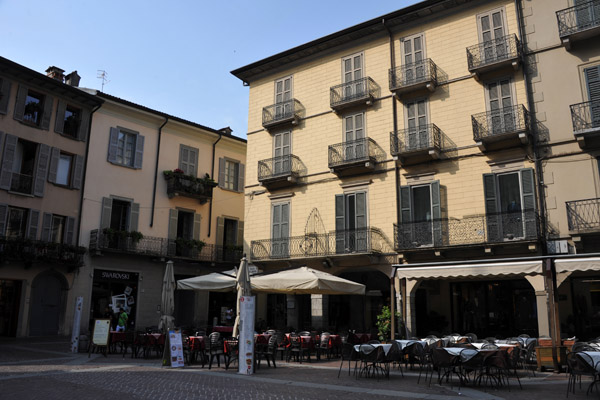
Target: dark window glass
x=33 y=107
x=58 y=227
x=17 y=222
x=72 y=118
x=119 y=217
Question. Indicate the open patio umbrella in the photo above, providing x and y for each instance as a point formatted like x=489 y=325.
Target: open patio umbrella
x=214 y=282
x=243 y=289
x=167 y=304
x=305 y=280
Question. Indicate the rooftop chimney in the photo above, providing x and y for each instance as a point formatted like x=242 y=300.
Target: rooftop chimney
x=56 y=73
x=73 y=79
x=226 y=131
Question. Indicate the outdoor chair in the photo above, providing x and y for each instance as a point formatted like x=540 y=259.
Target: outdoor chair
x=423 y=357
x=472 y=337
x=323 y=346
x=489 y=346
x=282 y=345
x=472 y=364
x=297 y=349
x=528 y=357
x=373 y=342
x=393 y=356
x=348 y=354
x=582 y=346
x=446 y=365
x=267 y=352
x=371 y=358
x=580 y=364
x=232 y=352
x=214 y=348
x=129 y=343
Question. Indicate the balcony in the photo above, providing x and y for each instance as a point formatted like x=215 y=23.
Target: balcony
x=21 y=183
x=415 y=145
x=282 y=114
x=279 y=172
x=359 y=92
x=586 y=123
x=36 y=251
x=414 y=77
x=503 y=128
x=156 y=247
x=494 y=55
x=579 y=22
x=354 y=157
x=584 y=216
x=472 y=230
x=367 y=241
x=179 y=184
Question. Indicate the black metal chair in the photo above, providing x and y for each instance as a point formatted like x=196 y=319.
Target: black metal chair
x=215 y=348
x=581 y=364
x=323 y=346
x=371 y=358
x=348 y=354
x=267 y=351
x=297 y=349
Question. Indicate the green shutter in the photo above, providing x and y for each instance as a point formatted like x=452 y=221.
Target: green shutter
x=77 y=178
x=362 y=234
x=84 y=125
x=405 y=231
x=3 y=218
x=139 y=152
x=173 y=217
x=47 y=113
x=53 y=169
x=436 y=210
x=197 y=225
x=221 y=173
x=4 y=95
x=20 y=103
x=46 y=227
x=41 y=173
x=491 y=208
x=8 y=156
x=340 y=223
x=240 y=233
x=106 y=212
x=528 y=202
x=113 y=145
x=59 y=123
x=69 y=234
x=220 y=236
x=134 y=216
x=241 y=176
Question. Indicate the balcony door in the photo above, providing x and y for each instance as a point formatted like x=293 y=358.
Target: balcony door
x=592 y=79
x=421 y=213
x=500 y=106
x=491 y=32
x=351 y=222
x=416 y=136
x=352 y=71
x=587 y=14
x=354 y=134
x=413 y=50
x=281 y=153
x=280 y=230
x=283 y=95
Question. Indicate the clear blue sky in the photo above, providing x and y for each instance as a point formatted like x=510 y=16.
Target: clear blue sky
x=172 y=56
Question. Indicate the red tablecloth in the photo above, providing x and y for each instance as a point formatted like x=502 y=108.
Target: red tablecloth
x=263 y=338
x=117 y=337
x=196 y=343
x=335 y=341
x=223 y=329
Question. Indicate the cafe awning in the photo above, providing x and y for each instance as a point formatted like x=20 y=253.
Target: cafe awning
x=215 y=282
x=471 y=270
x=577 y=264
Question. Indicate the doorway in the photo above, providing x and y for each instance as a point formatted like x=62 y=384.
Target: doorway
x=10 y=295
x=47 y=304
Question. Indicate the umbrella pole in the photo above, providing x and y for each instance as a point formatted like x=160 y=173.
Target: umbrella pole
x=393 y=308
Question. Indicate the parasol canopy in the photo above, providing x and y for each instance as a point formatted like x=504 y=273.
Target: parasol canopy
x=305 y=280
x=167 y=304
x=214 y=282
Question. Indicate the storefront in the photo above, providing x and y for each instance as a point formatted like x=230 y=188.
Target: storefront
x=112 y=290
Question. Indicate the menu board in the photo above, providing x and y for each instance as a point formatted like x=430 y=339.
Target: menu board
x=176 y=348
x=101 y=332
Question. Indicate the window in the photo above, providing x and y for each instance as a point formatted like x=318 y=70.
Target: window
x=491 y=34
x=352 y=72
x=502 y=118
x=355 y=147
x=421 y=214
x=183 y=224
x=231 y=175
x=592 y=80
x=18 y=222
x=65 y=169
x=230 y=238
x=24 y=166
x=188 y=160
x=58 y=229
x=416 y=135
x=283 y=95
x=71 y=121
x=125 y=148
x=351 y=222
x=63 y=173
x=280 y=229
x=281 y=153
x=33 y=107
x=413 y=51
x=119 y=214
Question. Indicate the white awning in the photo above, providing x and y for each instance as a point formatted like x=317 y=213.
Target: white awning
x=577 y=264
x=471 y=270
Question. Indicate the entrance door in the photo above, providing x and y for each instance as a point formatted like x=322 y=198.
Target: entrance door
x=10 y=294
x=45 y=306
x=351 y=222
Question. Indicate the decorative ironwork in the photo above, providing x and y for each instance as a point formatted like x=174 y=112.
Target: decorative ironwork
x=584 y=215
x=21 y=183
x=280 y=167
x=493 y=51
x=585 y=116
x=503 y=121
x=364 y=89
x=413 y=74
x=578 y=18
x=37 y=251
x=356 y=241
x=479 y=229
x=280 y=113
x=189 y=186
x=354 y=151
x=411 y=140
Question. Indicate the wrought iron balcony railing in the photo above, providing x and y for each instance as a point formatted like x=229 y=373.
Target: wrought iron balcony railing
x=21 y=183
x=357 y=241
x=579 y=18
x=505 y=121
x=37 y=251
x=353 y=152
x=585 y=117
x=289 y=111
x=493 y=51
x=406 y=141
x=479 y=229
x=189 y=186
x=163 y=247
x=584 y=215
x=415 y=74
x=288 y=166
x=354 y=92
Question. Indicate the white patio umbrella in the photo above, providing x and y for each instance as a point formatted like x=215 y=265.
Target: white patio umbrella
x=167 y=304
x=214 y=282
x=243 y=289
x=305 y=280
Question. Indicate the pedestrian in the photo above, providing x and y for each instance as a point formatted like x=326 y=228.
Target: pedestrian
x=122 y=322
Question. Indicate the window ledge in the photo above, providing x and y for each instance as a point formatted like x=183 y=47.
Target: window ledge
x=123 y=165
x=21 y=194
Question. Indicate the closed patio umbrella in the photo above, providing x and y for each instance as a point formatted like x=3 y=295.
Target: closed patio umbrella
x=305 y=280
x=214 y=282
x=167 y=304
x=243 y=289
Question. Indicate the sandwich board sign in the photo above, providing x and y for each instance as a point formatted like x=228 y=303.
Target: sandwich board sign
x=100 y=335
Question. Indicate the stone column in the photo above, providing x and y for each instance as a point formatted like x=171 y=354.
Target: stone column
x=319 y=308
x=541 y=299
x=411 y=316
x=292 y=311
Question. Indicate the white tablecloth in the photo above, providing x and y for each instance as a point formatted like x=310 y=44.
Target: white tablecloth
x=595 y=358
x=386 y=347
x=405 y=343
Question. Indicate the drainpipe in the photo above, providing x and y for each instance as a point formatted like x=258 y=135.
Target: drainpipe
x=212 y=175
x=397 y=180
x=156 y=171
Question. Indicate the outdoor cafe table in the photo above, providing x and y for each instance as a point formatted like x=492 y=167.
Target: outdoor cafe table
x=196 y=343
x=501 y=346
x=403 y=343
x=116 y=338
x=595 y=358
x=386 y=347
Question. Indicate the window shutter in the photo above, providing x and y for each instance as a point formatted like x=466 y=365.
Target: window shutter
x=436 y=211
x=3 y=218
x=4 y=95
x=362 y=235
x=20 y=103
x=240 y=182
x=41 y=174
x=491 y=208
x=193 y=160
x=139 y=152
x=77 y=172
x=240 y=233
x=47 y=113
x=84 y=125
x=220 y=231
x=59 y=124
x=69 y=234
x=46 y=227
x=106 y=212
x=8 y=156
x=285 y=220
x=113 y=143
x=53 y=169
x=183 y=158
x=405 y=233
x=528 y=202
x=173 y=216
x=134 y=216
x=32 y=224
x=221 y=173
x=592 y=77
x=340 y=223
x=197 y=226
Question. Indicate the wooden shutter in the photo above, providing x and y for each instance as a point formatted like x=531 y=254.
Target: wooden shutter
x=362 y=235
x=20 y=103
x=241 y=175
x=221 y=173
x=77 y=172
x=193 y=162
x=84 y=125
x=69 y=233
x=134 y=216
x=8 y=156
x=3 y=218
x=46 y=227
x=592 y=78
x=53 y=169
x=173 y=217
x=139 y=151
x=405 y=231
x=4 y=95
x=340 y=223
x=113 y=145
x=41 y=173
x=184 y=155
x=491 y=26
x=106 y=212
x=47 y=113
x=32 y=224
x=197 y=226
x=436 y=213
x=59 y=123
x=491 y=208
x=240 y=233
x=528 y=202
x=220 y=237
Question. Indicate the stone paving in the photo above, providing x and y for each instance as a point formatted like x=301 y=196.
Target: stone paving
x=44 y=369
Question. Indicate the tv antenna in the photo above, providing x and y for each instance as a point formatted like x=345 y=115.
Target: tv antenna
x=102 y=76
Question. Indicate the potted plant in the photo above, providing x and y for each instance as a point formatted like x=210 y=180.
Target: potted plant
x=384 y=323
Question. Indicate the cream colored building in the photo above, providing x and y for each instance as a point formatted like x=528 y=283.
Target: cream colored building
x=404 y=139
x=151 y=173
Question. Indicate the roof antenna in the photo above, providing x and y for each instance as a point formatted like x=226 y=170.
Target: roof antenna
x=102 y=75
